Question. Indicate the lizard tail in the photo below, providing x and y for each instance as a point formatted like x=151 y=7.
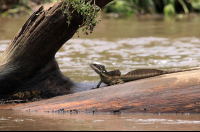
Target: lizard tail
x=175 y=71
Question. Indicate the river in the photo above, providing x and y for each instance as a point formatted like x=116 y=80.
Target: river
x=125 y=44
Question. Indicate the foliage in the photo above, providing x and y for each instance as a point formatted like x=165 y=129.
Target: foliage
x=167 y=7
x=121 y=7
x=195 y=4
x=16 y=7
x=87 y=9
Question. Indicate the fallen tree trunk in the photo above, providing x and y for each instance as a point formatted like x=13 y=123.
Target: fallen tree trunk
x=170 y=93
x=28 y=68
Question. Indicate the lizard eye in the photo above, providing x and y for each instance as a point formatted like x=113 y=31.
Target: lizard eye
x=104 y=71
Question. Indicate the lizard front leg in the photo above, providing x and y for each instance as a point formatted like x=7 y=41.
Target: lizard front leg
x=99 y=84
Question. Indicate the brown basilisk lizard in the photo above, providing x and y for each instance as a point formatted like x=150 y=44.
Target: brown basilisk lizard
x=114 y=77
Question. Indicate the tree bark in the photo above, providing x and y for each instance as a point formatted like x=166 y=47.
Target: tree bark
x=170 y=93
x=28 y=67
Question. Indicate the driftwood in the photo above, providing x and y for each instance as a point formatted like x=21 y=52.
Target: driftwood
x=170 y=93
x=28 y=68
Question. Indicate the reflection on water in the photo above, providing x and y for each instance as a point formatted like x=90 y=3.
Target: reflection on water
x=22 y=121
x=118 y=44
x=10 y=26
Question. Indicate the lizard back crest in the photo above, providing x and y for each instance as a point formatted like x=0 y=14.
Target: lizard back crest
x=114 y=73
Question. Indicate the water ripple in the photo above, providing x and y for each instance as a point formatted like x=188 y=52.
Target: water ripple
x=126 y=54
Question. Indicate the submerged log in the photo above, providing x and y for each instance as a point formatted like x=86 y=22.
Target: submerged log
x=28 y=68
x=169 y=93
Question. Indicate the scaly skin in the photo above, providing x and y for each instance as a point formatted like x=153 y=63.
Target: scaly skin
x=114 y=77
x=109 y=78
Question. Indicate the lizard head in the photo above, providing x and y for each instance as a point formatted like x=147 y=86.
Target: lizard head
x=98 y=68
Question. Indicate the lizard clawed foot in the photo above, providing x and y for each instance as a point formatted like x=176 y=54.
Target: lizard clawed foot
x=121 y=82
x=94 y=87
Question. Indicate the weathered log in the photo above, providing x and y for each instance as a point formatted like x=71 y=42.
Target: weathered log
x=170 y=93
x=28 y=67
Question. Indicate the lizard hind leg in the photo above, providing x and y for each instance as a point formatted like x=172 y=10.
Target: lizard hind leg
x=115 y=82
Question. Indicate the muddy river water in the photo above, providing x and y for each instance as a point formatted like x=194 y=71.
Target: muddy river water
x=123 y=44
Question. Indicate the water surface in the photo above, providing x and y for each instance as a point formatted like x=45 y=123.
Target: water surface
x=123 y=44
x=23 y=121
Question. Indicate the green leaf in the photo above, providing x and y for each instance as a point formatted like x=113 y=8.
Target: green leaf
x=87 y=9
